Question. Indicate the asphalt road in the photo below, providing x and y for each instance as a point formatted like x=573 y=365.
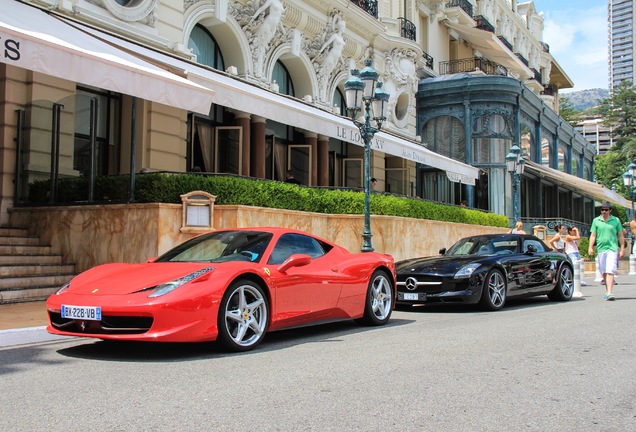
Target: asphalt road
x=534 y=366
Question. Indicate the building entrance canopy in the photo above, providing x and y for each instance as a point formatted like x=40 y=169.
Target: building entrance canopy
x=235 y=93
x=32 y=39
x=584 y=187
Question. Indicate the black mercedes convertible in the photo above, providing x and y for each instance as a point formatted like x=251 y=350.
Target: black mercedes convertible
x=486 y=269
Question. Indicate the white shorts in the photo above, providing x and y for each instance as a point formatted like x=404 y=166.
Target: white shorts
x=607 y=262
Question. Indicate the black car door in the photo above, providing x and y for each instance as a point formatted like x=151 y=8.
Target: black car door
x=539 y=268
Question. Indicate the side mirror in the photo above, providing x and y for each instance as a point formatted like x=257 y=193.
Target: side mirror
x=151 y=260
x=531 y=249
x=442 y=251
x=296 y=260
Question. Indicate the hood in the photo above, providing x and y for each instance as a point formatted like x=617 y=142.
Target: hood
x=113 y=279
x=434 y=265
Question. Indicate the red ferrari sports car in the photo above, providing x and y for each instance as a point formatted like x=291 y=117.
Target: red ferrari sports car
x=229 y=285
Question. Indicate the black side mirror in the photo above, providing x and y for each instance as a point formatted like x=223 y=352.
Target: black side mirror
x=531 y=249
x=442 y=251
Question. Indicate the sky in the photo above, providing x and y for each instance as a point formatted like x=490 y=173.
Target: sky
x=576 y=31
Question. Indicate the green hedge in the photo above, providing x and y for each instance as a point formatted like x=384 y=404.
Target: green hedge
x=168 y=188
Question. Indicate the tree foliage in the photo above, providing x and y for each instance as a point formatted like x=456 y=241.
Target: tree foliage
x=609 y=169
x=619 y=113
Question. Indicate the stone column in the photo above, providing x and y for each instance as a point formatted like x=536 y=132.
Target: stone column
x=258 y=147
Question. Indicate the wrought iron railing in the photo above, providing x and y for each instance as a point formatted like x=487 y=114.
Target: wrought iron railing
x=407 y=28
x=483 y=23
x=551 y=223
x=369 y=6
x=505 y=42
x=463 y=4
x=471 y=65
x=537 y=76
x=429 y=60
x=523 y=59
x=548 y=90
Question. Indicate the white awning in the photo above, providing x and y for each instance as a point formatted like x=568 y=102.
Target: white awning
x=577 y=184
x=32 y=39
x=235 y=93
x=492 y=48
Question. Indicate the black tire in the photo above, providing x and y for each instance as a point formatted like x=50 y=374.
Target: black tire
x=243 y=316
x=494 y=291
x=378 y=304
x=564 y=287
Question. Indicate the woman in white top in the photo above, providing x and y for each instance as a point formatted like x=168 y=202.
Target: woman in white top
x=557 y=243
x=572 y=243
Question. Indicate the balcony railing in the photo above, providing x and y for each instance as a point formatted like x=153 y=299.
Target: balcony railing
x=429 y=60
x=483 y=23
x=470 y=65
x=537 y=76
x=407 y=29
x=545 y=47
x=548 y=90
x=369 y=6
x=505 y=42
x=523 y=59
x=463 y=4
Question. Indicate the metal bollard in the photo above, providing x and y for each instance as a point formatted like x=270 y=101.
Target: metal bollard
x=582 y=267
x=599 y=276
x=577 y=280
x=632 y=264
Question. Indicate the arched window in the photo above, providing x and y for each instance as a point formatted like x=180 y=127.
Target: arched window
x=545 y=152
x=283 y=79
x=445 y=135
x=204 y=46
x=563 y=160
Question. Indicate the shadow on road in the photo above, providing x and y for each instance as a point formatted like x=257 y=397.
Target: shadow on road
x=128 y=351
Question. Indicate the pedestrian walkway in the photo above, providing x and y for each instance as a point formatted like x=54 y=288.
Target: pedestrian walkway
x=22 y=315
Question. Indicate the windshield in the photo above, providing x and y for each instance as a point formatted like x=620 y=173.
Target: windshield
x=483 y=246
x=220 y=246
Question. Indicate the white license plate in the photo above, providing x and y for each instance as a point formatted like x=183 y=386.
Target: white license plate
x=411 y=296
x=82 y=312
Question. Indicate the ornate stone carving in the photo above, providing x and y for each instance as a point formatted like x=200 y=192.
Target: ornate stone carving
x=262 y=23
x=135 y=12
x=326 y=53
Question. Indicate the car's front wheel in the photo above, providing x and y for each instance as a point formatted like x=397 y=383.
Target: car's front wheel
x=493 y=296
x=243 y=316
x=565 y=285
x=379 y=301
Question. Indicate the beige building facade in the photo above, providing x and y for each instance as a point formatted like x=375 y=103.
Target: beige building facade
x=252 y=88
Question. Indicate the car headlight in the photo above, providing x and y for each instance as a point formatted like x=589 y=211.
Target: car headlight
x=166 y=287
x=466 y=271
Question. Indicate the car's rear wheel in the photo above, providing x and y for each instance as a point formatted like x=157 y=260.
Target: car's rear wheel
x=565 y=285
x=243 y=316
x=379 y=301
x=493 y=295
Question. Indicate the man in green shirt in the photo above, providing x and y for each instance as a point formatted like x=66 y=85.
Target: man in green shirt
x=606 y=234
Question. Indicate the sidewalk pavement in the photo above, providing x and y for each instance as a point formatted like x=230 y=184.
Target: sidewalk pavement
x=24 y=323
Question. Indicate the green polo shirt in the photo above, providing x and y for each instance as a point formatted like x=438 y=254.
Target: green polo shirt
x=606 y=233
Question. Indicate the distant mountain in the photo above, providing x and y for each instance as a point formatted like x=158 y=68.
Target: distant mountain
x=583 y=100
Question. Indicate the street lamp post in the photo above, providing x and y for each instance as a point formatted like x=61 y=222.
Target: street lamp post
x=363 y=88
x=515 y=165
x=628 y=180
